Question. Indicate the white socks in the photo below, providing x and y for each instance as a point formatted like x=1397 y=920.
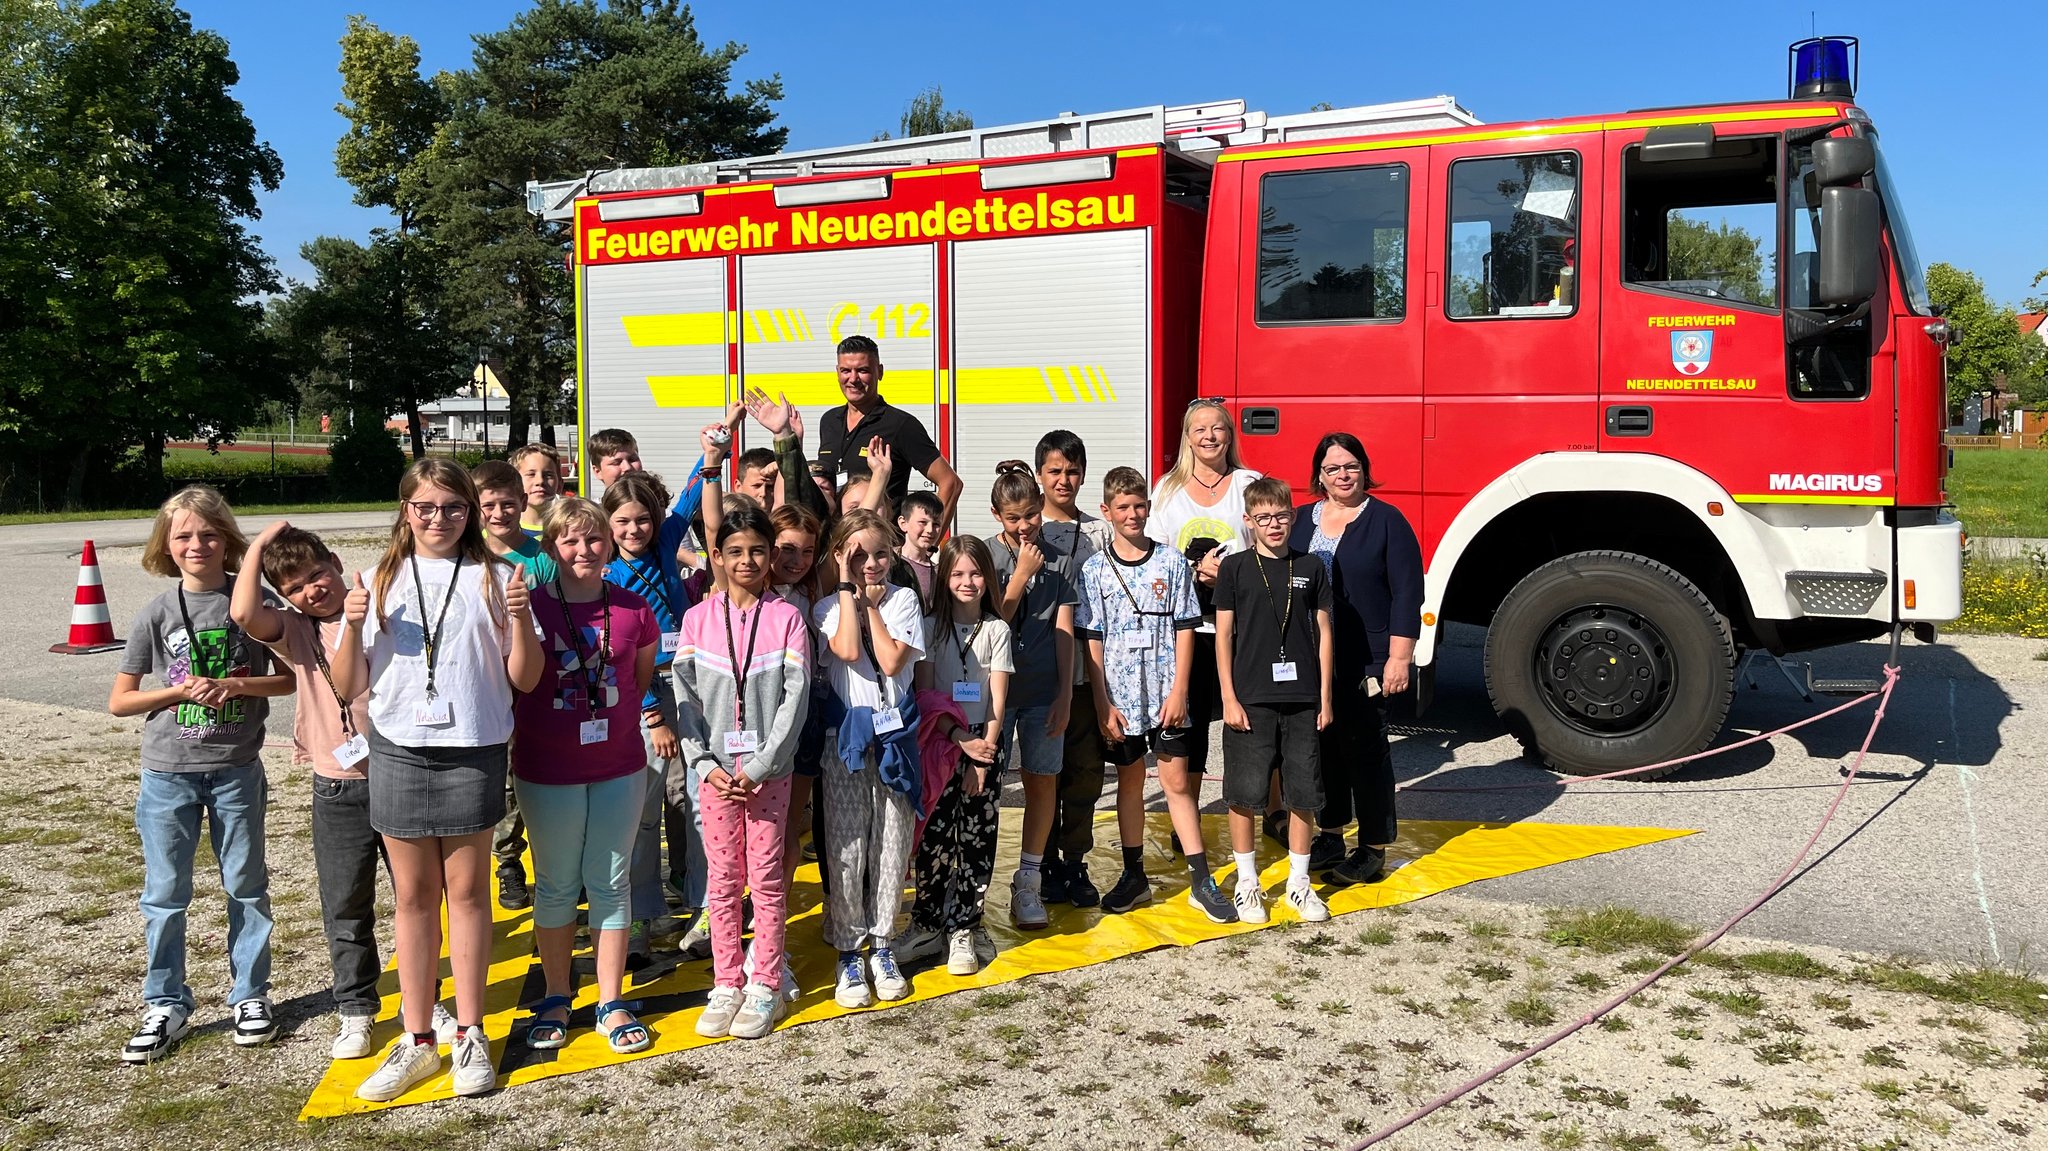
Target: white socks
x=1247 y=868
x=1297 y=871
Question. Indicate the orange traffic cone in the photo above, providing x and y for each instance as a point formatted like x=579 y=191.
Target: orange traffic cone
x=92 y=629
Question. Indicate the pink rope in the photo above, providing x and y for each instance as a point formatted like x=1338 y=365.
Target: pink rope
x=1891 y=679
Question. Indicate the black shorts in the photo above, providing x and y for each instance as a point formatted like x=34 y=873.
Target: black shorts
x=1282 y=738
x=1171 y=742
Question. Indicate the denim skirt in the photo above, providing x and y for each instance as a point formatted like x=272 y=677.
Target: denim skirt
x=430 y=792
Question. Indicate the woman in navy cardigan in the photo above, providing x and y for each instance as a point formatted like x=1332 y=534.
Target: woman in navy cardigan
x=1375 y=569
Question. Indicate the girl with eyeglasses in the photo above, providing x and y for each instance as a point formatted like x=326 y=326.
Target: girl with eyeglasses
x=1375 y=568
x=443 y=636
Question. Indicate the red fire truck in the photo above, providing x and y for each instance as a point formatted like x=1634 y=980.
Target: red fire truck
x=1654 y=388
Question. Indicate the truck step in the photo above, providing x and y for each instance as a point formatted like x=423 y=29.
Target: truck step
x=1849 y=687
x=1836 y=593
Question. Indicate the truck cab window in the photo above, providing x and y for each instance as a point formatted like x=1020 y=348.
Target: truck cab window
x=1333 y=245
x=1514 y=229
x=1705 y=227
x=1836 y=364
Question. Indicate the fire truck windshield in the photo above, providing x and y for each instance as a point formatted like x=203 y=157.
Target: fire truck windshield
x=1911 y=273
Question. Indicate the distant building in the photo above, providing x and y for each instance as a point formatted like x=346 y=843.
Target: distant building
x=484 y=415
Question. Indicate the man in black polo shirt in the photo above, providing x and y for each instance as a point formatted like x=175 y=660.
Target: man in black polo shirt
x=846 y=429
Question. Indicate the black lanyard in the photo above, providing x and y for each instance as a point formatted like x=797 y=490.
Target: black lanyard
x=1288 y=613
x=658 y=585
x=431 y=637
x=192 y=644
x=592 y=663
x=348 y=722
x=966 y=645
x=739 y=666
x=867 y=644
x=1116 y=569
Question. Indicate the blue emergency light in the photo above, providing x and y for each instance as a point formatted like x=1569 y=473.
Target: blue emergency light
x=1826 y=68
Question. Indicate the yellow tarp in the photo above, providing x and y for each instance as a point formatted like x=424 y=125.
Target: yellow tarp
x=1431 y=856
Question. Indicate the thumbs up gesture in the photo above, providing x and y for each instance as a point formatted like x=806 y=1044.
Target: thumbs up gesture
x=356 y=607
x=517 y=600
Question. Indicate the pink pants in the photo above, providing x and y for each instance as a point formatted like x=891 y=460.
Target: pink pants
x=742 y=850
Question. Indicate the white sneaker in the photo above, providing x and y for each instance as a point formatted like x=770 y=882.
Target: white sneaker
x=405 y=1064
x=161 y=1027
x=762 y=1010
x=961 y=957
x=1027 y=906
x=352 y=1037
x=719 y=1009
x=1250 y=903
x=791 y=990
x=890 y=985
x=852 y=990
x=1307 y=904
x=444 y=1026
x=474 y=1071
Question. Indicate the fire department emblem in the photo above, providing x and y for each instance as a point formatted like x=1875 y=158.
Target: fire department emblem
x=1691 y=352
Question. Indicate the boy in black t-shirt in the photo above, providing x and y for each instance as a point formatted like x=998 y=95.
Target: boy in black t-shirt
x=1273 y=661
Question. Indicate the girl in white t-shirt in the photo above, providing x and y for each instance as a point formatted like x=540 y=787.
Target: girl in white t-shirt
x=442 y=637
x=874 y=632
x=970 y=662
x=1198 y=510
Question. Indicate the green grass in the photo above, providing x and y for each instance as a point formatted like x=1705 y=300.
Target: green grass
x=244 y=512
x=2001 y=493
x=1609 y=929
x=2016 y=993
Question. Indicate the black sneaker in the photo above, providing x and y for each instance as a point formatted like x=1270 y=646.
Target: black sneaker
x=254 y=1022
x=1209 y=899
x=1054 y=887
x=1132 y=888
x=1363 y=865
x=512 y=892
x=159 y=1031
x=1081 y=891
x=1327 y=851
x=810 y=851
x=1276 y=828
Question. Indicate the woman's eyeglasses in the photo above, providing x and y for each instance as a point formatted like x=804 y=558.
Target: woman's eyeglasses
x=430 y=512
x=1342 y=469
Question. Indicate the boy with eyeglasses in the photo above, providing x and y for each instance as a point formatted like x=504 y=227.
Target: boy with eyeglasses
x=1274 y=663
x=1138 y=615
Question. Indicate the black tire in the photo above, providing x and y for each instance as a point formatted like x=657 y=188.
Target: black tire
x=1602 y=661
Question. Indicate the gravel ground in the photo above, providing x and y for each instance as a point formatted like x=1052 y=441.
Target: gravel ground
x=1304 y=1036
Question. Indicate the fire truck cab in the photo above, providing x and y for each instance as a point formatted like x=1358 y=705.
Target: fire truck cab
x=1653 y=388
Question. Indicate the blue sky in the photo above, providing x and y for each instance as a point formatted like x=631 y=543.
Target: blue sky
x=1956 y=101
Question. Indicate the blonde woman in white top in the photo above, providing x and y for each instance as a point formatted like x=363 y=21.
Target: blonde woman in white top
x=1198 y=511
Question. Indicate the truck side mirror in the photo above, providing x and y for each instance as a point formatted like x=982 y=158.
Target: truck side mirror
x=1839 y=161
x=1848 y=247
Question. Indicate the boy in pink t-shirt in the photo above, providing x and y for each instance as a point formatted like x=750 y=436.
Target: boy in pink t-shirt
x=329 y=733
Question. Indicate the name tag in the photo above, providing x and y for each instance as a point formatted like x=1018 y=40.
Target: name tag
x=671 y=642
x=966 y=691
x=888 y=719
x=1283 y=672
x=1137 y=640
x=433 y=713
x=742 y=742
x=355 y=751
x=593 y=730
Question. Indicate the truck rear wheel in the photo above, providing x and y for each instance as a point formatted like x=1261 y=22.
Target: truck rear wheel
x=1602 y=661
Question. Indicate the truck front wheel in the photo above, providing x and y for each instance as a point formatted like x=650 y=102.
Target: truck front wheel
x=1602 y=661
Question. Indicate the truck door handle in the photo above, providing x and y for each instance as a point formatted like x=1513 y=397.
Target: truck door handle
x=1623 y=420
x=1259 y=421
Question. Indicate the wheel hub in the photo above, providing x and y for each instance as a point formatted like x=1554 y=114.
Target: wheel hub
x=1605 y=670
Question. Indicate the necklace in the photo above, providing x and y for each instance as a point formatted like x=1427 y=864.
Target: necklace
x=1210 y=485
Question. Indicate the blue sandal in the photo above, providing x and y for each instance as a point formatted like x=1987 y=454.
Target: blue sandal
x=627 y=1037
x=547 y=1034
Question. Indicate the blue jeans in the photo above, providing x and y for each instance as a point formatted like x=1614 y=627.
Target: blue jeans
x=1031 y=750
x=167 y=811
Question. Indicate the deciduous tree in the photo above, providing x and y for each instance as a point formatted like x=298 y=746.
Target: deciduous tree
x=1986 y=347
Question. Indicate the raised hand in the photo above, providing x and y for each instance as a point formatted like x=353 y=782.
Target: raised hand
x=796 y=419
x=517 y=599
x=709 y=442
x=880 y=462
x=268 y=534
x=356 y=607
x=770 y=415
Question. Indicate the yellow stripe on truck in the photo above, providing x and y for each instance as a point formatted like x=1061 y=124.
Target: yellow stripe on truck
x=680 y=329
x=1087 y=384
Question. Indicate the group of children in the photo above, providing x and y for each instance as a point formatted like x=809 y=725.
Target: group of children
x=727 y=671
